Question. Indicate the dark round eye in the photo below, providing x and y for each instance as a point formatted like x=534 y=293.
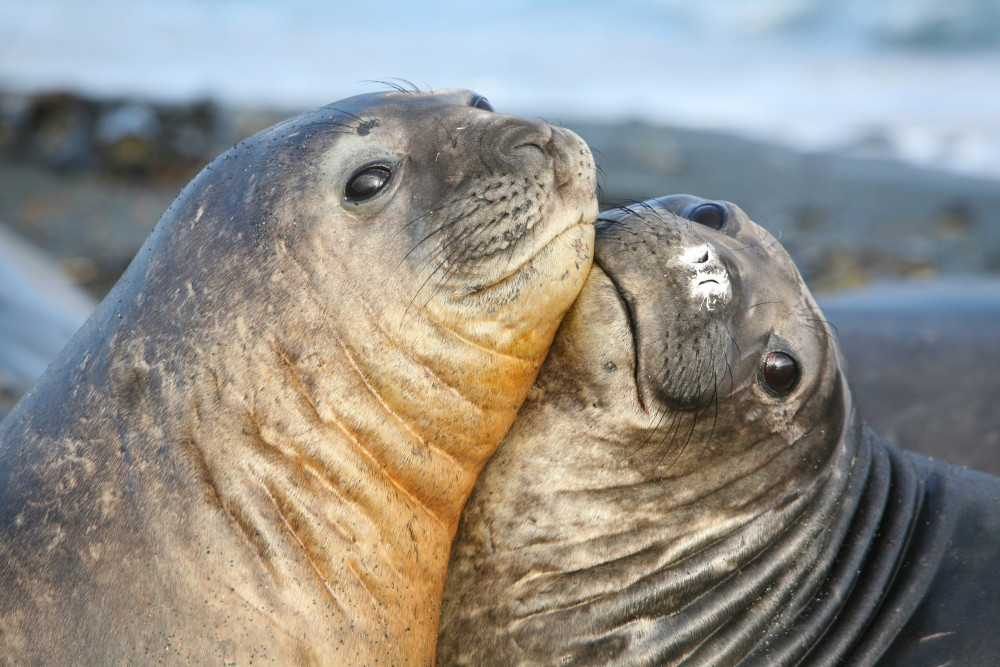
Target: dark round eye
x=710 y=215
x=367 y=182
x=780 y=373
x=481 y=102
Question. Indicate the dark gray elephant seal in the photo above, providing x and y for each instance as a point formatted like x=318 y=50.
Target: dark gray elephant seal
x=258 y=448
x=689 y=483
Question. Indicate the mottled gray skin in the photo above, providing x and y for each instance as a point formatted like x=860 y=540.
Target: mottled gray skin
x=258 y=448
x=656 y=503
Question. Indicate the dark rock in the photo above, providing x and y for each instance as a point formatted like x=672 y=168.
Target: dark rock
x=120 y=138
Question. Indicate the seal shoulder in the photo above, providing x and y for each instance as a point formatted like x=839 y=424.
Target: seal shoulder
x=955 y=558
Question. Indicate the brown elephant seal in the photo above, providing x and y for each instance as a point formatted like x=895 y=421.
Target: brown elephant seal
x=259 y=446
x=689 y=483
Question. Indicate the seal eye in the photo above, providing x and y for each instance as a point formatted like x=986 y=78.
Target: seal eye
x=367 y=182
x=710 y=215
x=481 y=102
x=780 y=373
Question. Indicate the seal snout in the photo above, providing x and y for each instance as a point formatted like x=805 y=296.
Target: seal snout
x=709 y=283
x=535 y=185
x=573 y=159
x=516 y=144
x=540 y=149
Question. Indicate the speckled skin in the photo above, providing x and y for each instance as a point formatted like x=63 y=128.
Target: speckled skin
x=656 y=503
x=259 y=446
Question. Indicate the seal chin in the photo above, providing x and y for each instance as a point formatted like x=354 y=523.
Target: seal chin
x=569 y=249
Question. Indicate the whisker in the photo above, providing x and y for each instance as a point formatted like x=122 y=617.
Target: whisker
x=763 y=303
x=396 y=83
x=715 y=403
x=440 y=254
x=729 y=368
x=732 y=339
x=449 y=222
x=452 y=137
x=653 y=429
x=683 y=447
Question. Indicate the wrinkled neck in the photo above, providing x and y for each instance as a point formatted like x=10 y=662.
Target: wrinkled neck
x=606 y=525
x=694 y=581
x=341 y=457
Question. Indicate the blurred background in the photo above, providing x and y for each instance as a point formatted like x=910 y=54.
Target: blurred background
x=866 y=135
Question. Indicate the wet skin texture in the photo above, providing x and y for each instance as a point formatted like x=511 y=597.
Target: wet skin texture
x=259 y=446
x=688 y=483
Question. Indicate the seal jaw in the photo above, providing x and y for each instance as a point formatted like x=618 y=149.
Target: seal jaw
x=577 y=236
x=630 y=323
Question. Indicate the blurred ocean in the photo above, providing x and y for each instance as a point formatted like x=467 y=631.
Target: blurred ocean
x=914 y=79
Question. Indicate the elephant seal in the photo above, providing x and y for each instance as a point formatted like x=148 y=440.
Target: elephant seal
x=259 y=446
x=689 y=483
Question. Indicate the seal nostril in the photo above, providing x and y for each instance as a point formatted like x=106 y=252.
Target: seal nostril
x=699 y=254
x=516 y=144
x=528 y=149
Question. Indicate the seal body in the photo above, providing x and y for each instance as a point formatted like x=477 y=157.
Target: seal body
x=259 y=445
x=689 y=483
